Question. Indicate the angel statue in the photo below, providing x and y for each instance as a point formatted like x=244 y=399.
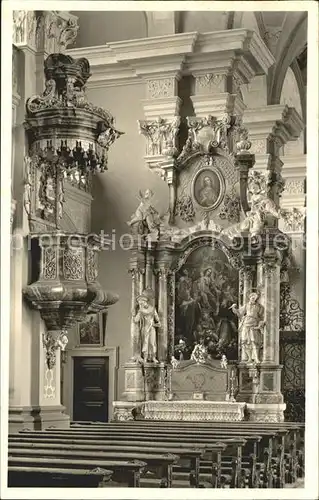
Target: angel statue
x=146 y=320
x=146 y=219
x=251 y=326
x=260 y=206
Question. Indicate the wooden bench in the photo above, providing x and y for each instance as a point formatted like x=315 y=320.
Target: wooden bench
x=125 y=472
x=46 y=477
x=159 y=463
x=190 y=455
x=211 y=444
x=275 y=449
x=184 y=451
x=121 y=430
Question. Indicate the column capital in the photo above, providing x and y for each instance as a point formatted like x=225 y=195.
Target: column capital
x=44 y=31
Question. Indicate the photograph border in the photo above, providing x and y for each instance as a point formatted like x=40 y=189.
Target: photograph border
x=310 y=491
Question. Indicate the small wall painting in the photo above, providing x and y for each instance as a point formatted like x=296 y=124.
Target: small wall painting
x=208 y=188
x=90 y=331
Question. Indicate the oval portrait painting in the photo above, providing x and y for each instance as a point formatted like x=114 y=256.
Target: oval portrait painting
x=208 y=188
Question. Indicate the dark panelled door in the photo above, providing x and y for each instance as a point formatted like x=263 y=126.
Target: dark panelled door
x=90 y=393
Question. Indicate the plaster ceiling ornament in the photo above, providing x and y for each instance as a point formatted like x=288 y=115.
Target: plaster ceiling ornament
x=161 y=135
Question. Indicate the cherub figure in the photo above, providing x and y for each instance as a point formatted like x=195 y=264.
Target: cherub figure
x=146 y=219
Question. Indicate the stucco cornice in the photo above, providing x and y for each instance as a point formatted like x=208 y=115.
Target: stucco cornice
x=173 y=55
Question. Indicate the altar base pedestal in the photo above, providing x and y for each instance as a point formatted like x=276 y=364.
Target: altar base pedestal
x=266 y=412
x=144 y=382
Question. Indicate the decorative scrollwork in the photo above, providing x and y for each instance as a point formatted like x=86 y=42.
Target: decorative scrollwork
x=184 y=208
x=291 y=317
x=49 y=263
x=91 y=265
x=207 y=133
x=73 y=264
x=230 y=209
x=51 y=345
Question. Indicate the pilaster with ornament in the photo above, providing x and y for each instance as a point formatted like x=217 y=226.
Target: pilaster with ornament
x=160 y=65
x=223 y=62
x=270 y=128
x=16 y=98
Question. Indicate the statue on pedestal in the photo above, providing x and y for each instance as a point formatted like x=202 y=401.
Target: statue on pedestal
x=250 y=328
x=146 y=219
x=146 y=320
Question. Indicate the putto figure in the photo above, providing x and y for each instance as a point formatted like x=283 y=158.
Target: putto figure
x=146 y=219
x=146 y=319
x=251 y=328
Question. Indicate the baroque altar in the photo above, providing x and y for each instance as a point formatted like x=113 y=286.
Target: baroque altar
x=206 y=274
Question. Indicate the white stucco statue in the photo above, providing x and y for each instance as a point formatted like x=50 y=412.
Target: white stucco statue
x=147 y=320
x=251 y=326
x=146 y=218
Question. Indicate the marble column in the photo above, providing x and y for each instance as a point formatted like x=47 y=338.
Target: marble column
x=271 y=268
x=162 y=341
x=135 y=344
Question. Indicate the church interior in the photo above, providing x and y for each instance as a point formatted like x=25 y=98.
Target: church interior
x=157 y=328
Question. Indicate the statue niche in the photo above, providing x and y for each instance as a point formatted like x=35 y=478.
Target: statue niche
x=205 y=324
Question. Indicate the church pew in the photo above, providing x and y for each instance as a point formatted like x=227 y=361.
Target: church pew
x=282 y=428
x=139 y=427
x=274 y=438
x=134 y=445
x=46 y=477
x=232 y=444
x=191 y=455
x=159 y=463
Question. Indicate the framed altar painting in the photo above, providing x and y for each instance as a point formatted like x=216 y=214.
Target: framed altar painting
x=91 y=332
x=208 y=188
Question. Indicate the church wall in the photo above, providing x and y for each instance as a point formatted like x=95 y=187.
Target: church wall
x=98 y=28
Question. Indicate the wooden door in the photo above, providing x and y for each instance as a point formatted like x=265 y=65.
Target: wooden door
x=90 y=388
